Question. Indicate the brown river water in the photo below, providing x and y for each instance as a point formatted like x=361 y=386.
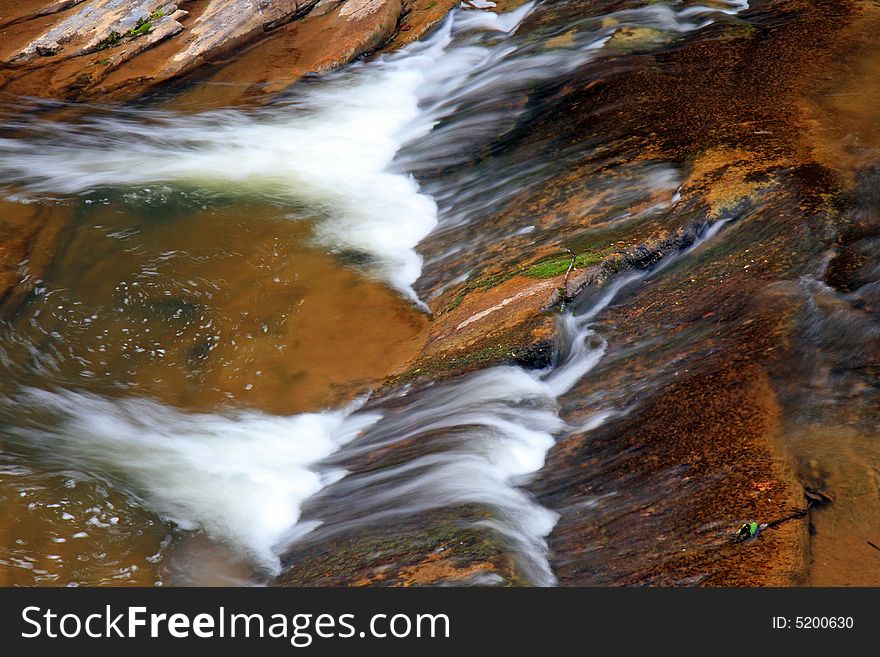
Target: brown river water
x=240 y=313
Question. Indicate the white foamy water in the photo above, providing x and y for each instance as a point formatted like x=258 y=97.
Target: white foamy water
x=497 y=427
x=244 y=478
x=241 y=478
x=332 y=146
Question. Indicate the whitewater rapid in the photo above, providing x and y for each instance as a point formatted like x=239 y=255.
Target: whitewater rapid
x=346 y=148
x=244 y=477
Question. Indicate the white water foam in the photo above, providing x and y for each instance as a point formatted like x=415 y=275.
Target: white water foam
x=498 y=426
x=332 y=146
x=240 y=478
x=243 y=478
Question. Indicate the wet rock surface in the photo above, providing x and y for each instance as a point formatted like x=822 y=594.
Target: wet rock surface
x=698 y=441
x=714 y=366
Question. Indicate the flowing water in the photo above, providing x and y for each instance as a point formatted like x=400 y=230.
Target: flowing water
x=226 y=277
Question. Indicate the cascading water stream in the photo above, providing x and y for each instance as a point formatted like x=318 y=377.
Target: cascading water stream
x=346 y=148
x=501 y=423
x=243 y=478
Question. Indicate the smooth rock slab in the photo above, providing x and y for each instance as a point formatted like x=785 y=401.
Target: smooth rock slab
x=86 y=30
x=108 y=25
x=226 y=23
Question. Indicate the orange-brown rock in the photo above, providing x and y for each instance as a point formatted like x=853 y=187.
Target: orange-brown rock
x=121 y=48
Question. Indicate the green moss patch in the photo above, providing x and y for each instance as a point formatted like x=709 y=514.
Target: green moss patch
x=143 y=26
x=559 y=265
x=110 y=40
x=549 y=268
